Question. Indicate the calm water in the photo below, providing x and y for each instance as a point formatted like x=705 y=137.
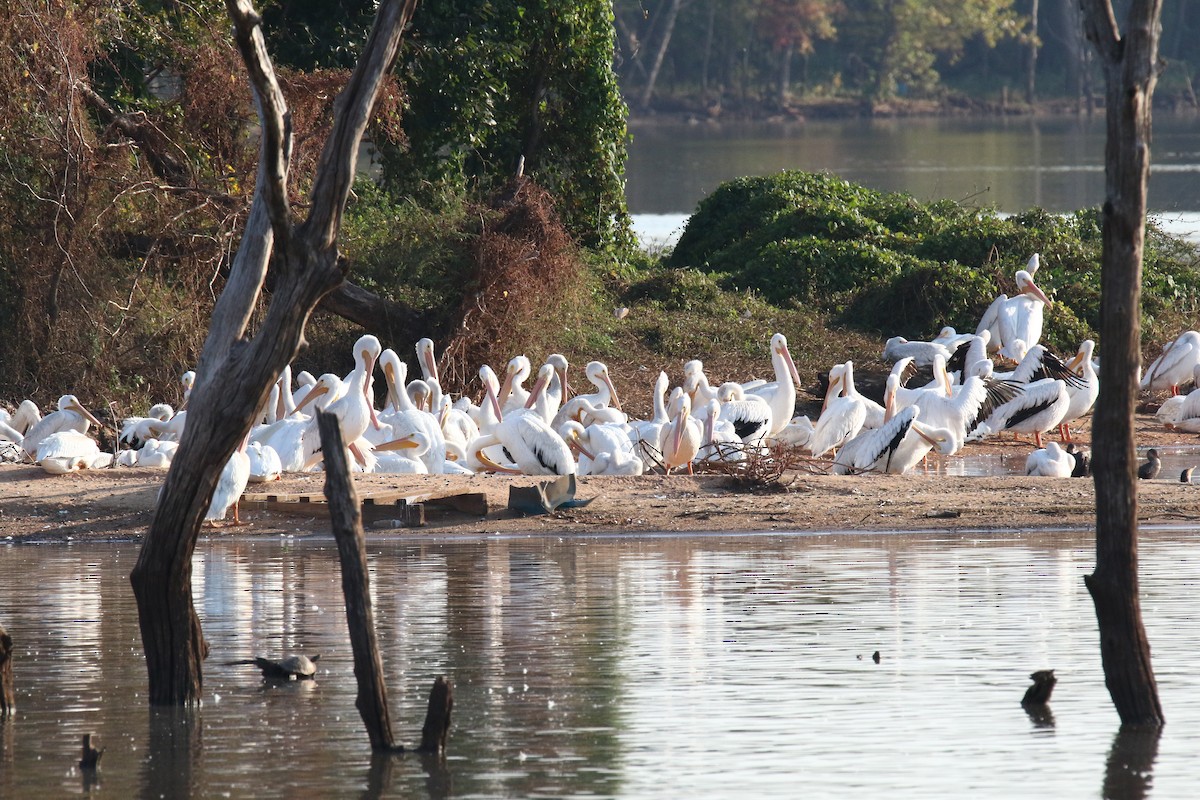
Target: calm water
x=632 y=667
x=1008 y=164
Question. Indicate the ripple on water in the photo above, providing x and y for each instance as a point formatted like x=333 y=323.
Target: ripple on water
x=620 y=667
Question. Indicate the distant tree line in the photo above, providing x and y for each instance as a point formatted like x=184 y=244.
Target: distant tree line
x=713 y=56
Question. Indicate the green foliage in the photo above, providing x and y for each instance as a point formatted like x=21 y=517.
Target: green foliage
x=490 y=82
x=677 y=290
x=409 y=253
x=890 y=265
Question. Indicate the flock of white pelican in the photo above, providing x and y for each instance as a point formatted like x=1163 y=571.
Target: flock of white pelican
x=995 y=380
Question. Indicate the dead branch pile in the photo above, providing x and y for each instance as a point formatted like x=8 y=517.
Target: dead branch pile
x=526 y=271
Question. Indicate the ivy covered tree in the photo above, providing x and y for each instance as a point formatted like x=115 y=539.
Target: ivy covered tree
x=491 y=84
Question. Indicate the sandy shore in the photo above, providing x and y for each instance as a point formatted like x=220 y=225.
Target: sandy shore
x=119 y=503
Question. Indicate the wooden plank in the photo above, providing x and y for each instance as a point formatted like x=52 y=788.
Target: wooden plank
x=377 y=505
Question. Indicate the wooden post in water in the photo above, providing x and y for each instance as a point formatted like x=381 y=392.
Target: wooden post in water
x=346 y=519
x=7 y=696
x=437 y=717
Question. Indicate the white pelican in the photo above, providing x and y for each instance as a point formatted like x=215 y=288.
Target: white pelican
x=749 y=414
x=295 y=439
x=559 y=390
x=961 y=408
x=1037 y=409
x=1050 y=461
x=1019 y=317
x=951 y=338
x=604 y=449
x=512 y=394
x=136 y=430
x=1175 y=364
x=720 y=441
x=70 y=451
x=780 y=394
x=796 y=433
x=648 y=430
x=234 y=476
x=922 y=353
x=188 y=380
x=9 y=433
x=697 y=386
x=406 y=417
x=355 y=410
x=843 y=416
x=402 y=455
x=70 y=416
x=606 y=392
x=265 y=464
x=156 y=454
x=534 y=447
x=895 y=447
x=23 y=418
x=1082 y=398
x=679 y=440
x=526 y=441
x=427 y=360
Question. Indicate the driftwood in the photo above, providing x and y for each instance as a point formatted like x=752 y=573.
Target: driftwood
x=7 y=696
x=352 y=551
x=346 y=520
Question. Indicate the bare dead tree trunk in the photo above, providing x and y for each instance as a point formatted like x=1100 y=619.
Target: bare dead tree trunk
x=234 y=373
x=1032 y=56
x=1130 y=72
x=7 y=695
x=660 y=54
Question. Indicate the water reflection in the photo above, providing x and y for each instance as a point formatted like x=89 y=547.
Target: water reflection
x=673 y=666
x=1056 y=163
x=1128 y=775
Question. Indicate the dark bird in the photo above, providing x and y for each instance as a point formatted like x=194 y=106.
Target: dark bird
x=1039 y=693
x=1083 y=461
x=1186 y=475
x=300 y=668
x=1149 y=470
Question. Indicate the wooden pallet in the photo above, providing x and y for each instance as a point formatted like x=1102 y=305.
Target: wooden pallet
x=409 y=510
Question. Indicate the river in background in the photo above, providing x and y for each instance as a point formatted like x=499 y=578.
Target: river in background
x=1011 y=164
x=697 y=666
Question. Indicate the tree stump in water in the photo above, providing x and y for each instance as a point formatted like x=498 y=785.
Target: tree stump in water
x=346 y=519
x=7 y=696
x=437 y=717
x=90 y=758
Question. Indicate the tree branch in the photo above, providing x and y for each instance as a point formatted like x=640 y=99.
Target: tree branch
x=149 y=139
x=273 y=114
x=1100 y=27
x=352 y=112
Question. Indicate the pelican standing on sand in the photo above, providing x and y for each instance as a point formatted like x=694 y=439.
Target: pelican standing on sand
x=680 y=438
x=780 y=394
x=1175 y=364
x=843 y=416
x=234 y=477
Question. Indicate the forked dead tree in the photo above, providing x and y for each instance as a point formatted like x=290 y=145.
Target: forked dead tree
x=235 y=372
x=1130 y=72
